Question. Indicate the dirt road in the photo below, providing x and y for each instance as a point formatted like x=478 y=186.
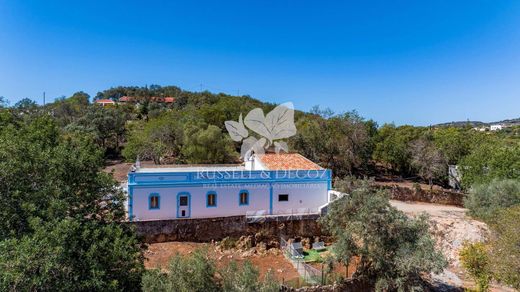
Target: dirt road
x=451 y=228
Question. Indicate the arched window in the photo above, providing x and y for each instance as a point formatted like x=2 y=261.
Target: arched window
x=154 y=201
x=211 y=199
x=243 y=198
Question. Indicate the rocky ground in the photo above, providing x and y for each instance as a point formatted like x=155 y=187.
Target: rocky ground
x=158 y=255
x=451 y=228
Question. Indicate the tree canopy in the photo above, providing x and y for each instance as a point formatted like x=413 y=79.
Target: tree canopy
x=393 y=250
x=61 y=218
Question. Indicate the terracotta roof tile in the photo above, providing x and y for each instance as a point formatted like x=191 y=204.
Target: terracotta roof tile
x=286 y=161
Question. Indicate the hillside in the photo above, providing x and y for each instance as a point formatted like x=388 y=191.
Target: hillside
x=509 y=122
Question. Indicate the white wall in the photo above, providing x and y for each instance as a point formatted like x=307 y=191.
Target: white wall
x=227 y=201
x=301 y=196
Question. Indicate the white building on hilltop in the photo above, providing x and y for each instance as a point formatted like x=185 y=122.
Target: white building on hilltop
x=497 y=127
x=268 y=184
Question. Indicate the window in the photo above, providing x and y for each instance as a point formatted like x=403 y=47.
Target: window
x=154 y=201
x=243 y=198
x=183 y=201
x=211 y=199
x=283 y=198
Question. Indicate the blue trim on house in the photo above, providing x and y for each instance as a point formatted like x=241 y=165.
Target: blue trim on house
x=189 y=204
x=219 y=185
x=208 y=177
x=270 y=199
x=248 y=198
x=207 y=195
x=130 y=204
x=150 y=201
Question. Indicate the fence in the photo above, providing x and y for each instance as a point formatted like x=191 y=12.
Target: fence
x=260 y=216
x=309 y=273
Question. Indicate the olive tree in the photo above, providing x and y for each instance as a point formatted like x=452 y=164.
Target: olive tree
x=393 y=250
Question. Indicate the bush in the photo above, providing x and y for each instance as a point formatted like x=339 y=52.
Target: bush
x=198 y=273
x=485 y=200
x=505 y=247
x=246 y=279
x=474 y=258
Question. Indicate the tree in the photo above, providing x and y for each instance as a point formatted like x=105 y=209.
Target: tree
x=427 y=160
x=25 y=104
x=339 y=142
x=485 y=200
x=72 y=255
x=495 y=159
x=393 y=250
x=107 y=125
x=392 y=146
x=61 y=218
x=67 y=110
x=504 y=253
x=207 y=145
x=454 y=143
x=156 y=139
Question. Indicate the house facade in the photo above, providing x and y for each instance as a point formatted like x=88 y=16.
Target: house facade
x=266 y=185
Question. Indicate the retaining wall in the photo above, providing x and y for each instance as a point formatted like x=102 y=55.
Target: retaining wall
x=443 y=197
x=207 y=229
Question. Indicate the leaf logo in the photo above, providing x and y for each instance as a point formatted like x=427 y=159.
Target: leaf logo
x=277 y=124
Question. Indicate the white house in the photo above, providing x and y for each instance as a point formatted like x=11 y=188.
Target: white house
x=105 y=102
x=267 y=184
x=496 y=127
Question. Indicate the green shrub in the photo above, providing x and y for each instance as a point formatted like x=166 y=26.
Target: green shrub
x=485 y=200
x=197 y=272
x=245 y=278
x=185 y=274
x=474 y=258
x=505 y=247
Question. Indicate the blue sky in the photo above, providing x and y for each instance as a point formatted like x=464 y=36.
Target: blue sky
x=408 y=62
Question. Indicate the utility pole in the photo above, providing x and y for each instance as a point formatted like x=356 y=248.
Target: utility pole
x=44 y=98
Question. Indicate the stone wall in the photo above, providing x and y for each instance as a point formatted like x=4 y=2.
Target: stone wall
x=435 y=196
x=205 y=230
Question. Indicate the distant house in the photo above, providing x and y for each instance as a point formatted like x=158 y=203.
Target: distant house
x=269 y=184
x=169 y=99
x=496 y=127
x=105 y=102
x=158 y=99
x=125 y=99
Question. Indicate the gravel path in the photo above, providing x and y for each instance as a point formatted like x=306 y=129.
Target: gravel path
x=451 y=228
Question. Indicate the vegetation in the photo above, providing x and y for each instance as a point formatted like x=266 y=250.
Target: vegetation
x=484 y=201
x=495 y=159
x=198 y=272
x=427 y=160
x=393 y=250
x=192 y=130
x=474 y=258
x=61 y=218
x=504 y=252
